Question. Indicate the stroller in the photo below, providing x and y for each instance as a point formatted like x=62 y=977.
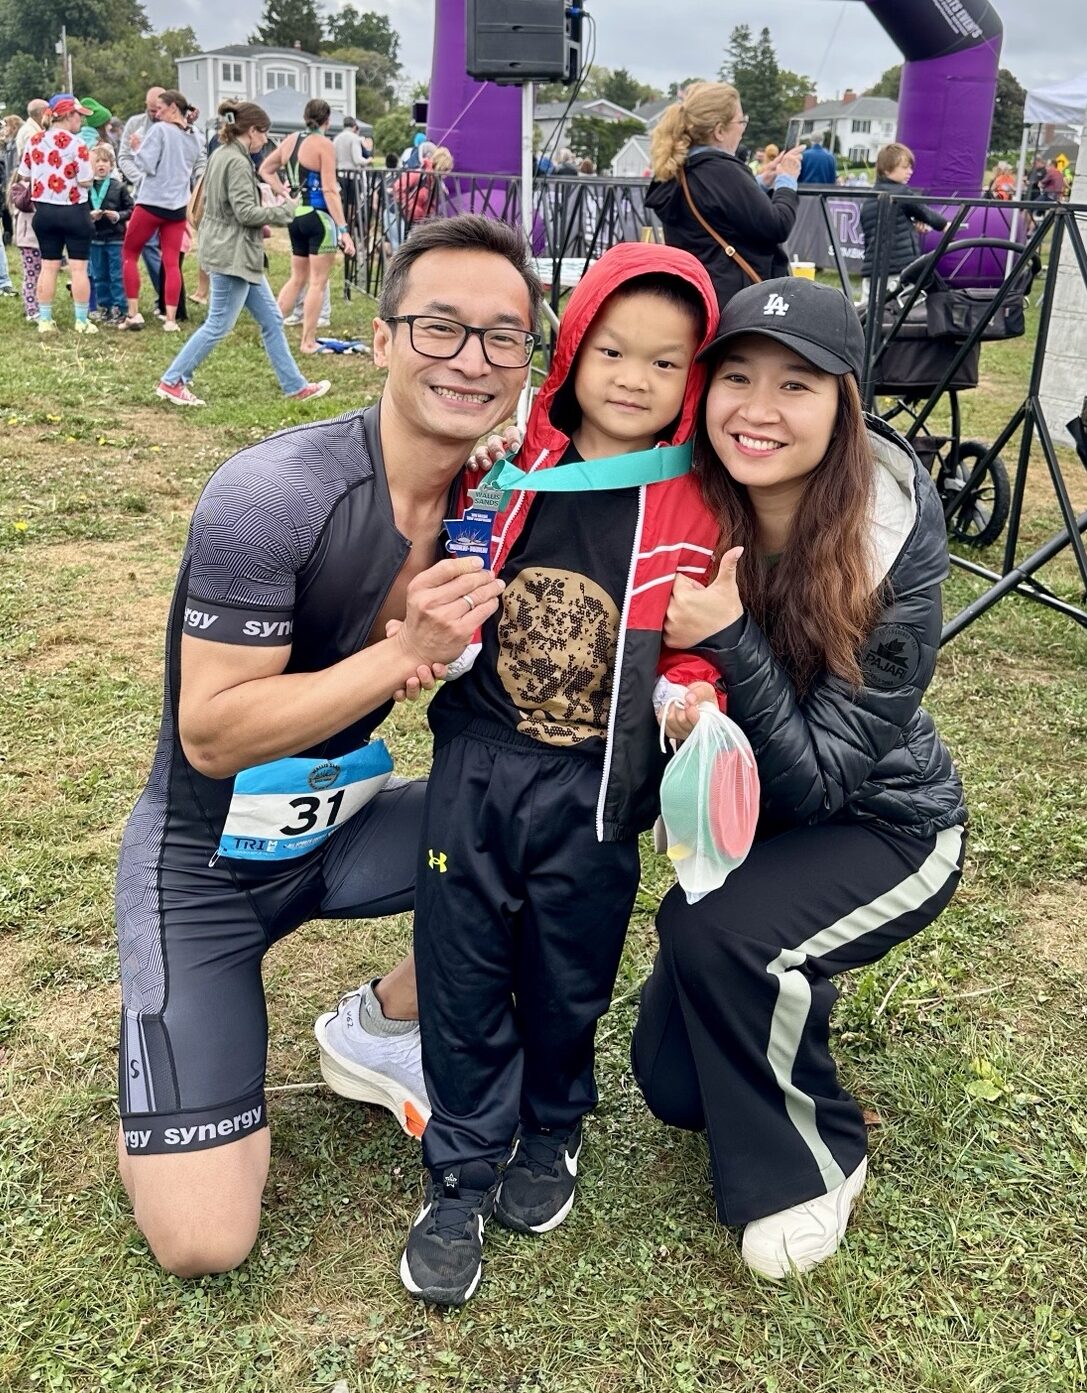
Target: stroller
x=919 y=343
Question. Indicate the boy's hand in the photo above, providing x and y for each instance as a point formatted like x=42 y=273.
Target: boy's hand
x=426 y=677
x=697 y=611
x=484 y=455
x=681 y=720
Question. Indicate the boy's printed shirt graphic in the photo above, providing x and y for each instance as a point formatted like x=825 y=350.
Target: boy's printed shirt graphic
x=556 y=643
x=58 y=166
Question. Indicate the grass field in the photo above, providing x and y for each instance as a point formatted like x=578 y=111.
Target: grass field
x=965 y=1268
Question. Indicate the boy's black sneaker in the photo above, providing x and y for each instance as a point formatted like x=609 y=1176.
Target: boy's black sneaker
x=443 y=1257
x=537 y=1190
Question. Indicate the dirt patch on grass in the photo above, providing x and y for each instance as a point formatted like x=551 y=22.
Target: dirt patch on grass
x=119 y=600
x=1054 y=925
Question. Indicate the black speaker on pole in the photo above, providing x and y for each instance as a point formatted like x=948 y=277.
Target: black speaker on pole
x=523 y=40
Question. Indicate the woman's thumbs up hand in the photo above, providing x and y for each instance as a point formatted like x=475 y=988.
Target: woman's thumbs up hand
x=697 y=611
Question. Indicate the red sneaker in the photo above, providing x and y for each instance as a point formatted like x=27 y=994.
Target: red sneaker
x=311 y=390
x=179 y=393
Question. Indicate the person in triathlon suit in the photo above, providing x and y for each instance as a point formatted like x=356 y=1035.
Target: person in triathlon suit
x=309 y=596
x=308 y=160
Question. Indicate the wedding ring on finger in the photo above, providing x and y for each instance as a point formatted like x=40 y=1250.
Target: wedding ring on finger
x=469 y=601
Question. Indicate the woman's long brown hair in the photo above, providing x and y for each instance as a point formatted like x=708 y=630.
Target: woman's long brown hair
x=816 y=605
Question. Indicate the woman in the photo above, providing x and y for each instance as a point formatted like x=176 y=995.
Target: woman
x=693 y=153
x=166 y=156
x=318 y=227
x=822 y=627
x=57 y=165
x=232 y=252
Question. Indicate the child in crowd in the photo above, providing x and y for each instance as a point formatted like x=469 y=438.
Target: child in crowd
x=547 y=763
x=32 y=259
x=111 y=208
x=894 y=165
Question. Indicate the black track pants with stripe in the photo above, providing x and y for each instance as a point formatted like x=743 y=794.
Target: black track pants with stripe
x=733 y=1032
x=520 y=916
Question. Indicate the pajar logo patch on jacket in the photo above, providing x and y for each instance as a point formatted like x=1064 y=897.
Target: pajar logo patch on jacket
x=892 y=658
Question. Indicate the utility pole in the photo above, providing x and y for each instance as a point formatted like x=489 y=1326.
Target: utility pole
x=65 y=58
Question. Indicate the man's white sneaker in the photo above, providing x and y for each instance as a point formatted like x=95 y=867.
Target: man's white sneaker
x=800 y=1238
x=291 y=320
x=382 y=1069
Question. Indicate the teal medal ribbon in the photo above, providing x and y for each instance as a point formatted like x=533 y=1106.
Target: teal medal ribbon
x=98 y=192
x=588 y=476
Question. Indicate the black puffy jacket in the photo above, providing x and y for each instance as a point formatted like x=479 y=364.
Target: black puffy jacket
x=737 y=207
x=898 y=226
x=871 y=753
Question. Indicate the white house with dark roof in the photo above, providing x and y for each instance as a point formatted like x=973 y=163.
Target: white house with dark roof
x=858 y=126
x=553 y=118
x=248 y=72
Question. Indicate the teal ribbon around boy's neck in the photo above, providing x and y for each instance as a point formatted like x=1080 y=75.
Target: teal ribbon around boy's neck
x=595 y=475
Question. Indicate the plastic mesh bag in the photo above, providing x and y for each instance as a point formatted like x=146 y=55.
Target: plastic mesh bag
x=709 y=802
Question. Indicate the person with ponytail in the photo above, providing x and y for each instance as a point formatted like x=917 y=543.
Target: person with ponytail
x=821 y=628
x=318 y=227
x=707 y=199
x=167 y=157
x=231 y=251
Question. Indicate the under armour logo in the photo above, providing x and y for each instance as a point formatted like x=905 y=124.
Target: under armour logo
x=436 y=861
x=776 y=304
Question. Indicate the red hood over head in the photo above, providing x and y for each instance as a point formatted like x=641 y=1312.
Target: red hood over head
x=620 y=264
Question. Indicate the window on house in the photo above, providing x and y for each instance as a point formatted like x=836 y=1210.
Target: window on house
x=279 y=77
x=333 y=82
x=807 y=127
x=232 y=72
x=861 y=127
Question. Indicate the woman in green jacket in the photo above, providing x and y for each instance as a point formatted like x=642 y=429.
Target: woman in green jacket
x=232 y=253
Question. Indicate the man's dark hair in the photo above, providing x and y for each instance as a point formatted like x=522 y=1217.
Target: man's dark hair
x=466 y=232
x=349 y=121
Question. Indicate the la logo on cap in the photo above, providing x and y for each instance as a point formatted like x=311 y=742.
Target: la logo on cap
x=776 y=304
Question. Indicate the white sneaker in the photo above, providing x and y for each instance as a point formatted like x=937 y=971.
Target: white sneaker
x=323 y=323
x=800 y=1238
x=292 y=319
x=382 y=1069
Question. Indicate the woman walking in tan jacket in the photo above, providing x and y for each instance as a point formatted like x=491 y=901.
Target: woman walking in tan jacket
x=232 y=253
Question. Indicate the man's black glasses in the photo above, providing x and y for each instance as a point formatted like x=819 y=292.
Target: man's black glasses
x=444 y=338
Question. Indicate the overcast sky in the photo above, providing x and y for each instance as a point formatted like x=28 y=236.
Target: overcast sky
x=835 y=42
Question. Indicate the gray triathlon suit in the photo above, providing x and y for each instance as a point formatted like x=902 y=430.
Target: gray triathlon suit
x=293 y=540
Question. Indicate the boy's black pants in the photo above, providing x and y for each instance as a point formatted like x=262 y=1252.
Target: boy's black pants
x=520 y=916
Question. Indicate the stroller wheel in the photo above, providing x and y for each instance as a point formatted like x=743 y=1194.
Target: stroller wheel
x=977 y=517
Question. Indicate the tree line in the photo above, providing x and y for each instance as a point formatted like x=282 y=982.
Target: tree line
x=116 y=57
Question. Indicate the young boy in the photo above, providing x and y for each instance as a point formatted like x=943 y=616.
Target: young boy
x=110 y=208
x=547 y=766
x=894 y=165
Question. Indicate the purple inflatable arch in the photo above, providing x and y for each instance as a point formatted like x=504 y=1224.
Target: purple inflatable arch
x=945 y=105
x=479 y=122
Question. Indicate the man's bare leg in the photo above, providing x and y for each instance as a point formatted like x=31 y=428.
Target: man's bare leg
x=199 y=1212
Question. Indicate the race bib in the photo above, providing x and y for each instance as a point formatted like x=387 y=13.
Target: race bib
x=291 y=806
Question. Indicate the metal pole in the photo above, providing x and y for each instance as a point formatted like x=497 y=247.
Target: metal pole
x=526 y=216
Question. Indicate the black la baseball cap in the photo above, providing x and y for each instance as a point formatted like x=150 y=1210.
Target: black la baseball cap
x=816 y=321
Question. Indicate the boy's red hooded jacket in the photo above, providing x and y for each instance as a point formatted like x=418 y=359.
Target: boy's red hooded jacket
x=675 y=532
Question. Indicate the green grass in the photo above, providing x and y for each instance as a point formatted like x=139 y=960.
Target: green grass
x=964 y=1269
